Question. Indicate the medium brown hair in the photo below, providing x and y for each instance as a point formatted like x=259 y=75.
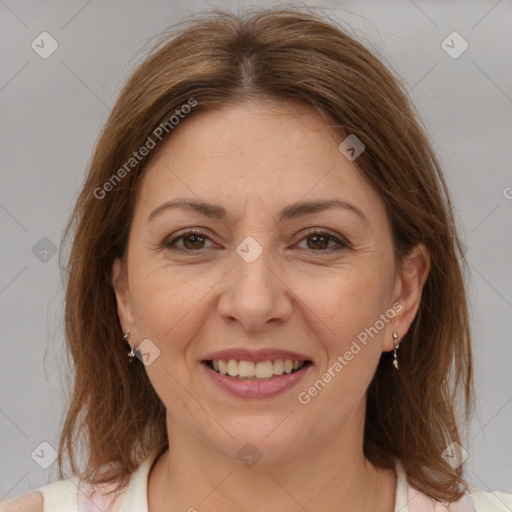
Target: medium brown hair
x=278 y=54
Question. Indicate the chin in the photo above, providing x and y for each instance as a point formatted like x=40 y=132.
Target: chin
x=264 y=442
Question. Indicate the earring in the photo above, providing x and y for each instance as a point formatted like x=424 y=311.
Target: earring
x=126 y=337
x=396 y=343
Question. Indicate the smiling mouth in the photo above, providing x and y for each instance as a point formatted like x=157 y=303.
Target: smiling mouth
x=260 y=371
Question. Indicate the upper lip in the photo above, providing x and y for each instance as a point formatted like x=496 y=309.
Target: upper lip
x=243 y=354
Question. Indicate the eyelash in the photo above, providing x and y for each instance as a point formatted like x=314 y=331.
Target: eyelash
x=170 y=244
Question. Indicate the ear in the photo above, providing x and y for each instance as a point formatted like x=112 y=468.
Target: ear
x=407 y=292
x=119 y=281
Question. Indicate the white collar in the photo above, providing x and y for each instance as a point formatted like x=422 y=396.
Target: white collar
x=401 y=498
x=136 y=496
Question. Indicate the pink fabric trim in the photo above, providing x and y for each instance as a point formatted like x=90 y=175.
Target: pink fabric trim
x=95 y=498
x=419 y=502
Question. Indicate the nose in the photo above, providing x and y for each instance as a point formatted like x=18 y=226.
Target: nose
x=255 y=294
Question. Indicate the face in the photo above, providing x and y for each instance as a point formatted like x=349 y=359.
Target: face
x=261 y=278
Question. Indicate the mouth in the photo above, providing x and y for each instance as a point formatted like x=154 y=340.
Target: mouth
x=258 y=374
x=260 y=371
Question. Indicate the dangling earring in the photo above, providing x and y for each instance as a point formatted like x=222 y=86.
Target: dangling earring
x=126 y=338
x=396 y=343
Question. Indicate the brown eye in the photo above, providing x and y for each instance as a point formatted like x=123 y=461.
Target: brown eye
x=318 y=242
x=192 y=241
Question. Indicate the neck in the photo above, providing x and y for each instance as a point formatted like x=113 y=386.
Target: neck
x=332 y=474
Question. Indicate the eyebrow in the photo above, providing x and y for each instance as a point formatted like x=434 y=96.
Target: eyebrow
x=291 y=211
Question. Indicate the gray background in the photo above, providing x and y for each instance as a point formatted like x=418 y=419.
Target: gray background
x=51 y=113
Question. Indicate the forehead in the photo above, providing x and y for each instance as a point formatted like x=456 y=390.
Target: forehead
x=266 y=154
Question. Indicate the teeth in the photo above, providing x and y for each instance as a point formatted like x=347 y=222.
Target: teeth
x=223 y=367
x=264 y=370
x=233 y=368
x=260 y=370
x=246 y=368
x=278 y=367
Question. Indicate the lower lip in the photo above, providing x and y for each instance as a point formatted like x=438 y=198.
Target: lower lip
x=256 y=389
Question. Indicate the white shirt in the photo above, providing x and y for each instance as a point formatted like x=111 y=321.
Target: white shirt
x=67 y=496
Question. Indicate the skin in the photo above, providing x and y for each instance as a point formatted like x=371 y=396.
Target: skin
x=254 y=159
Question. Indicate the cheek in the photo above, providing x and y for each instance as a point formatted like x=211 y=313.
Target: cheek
x=350 y=300
x=169 y=304
x=348 y=321
x=350 y=314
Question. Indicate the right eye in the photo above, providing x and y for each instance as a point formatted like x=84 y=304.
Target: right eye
x=193 y=241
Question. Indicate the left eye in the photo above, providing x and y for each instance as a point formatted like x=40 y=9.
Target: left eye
x=195 y=241
x=320 y=241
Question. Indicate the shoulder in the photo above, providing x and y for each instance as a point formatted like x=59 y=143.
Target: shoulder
x=474 y=499
x=488 y=501
x=67 y=494
x=30 y=502
x=51 y=496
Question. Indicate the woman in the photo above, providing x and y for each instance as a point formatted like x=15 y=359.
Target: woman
x=267 y=229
